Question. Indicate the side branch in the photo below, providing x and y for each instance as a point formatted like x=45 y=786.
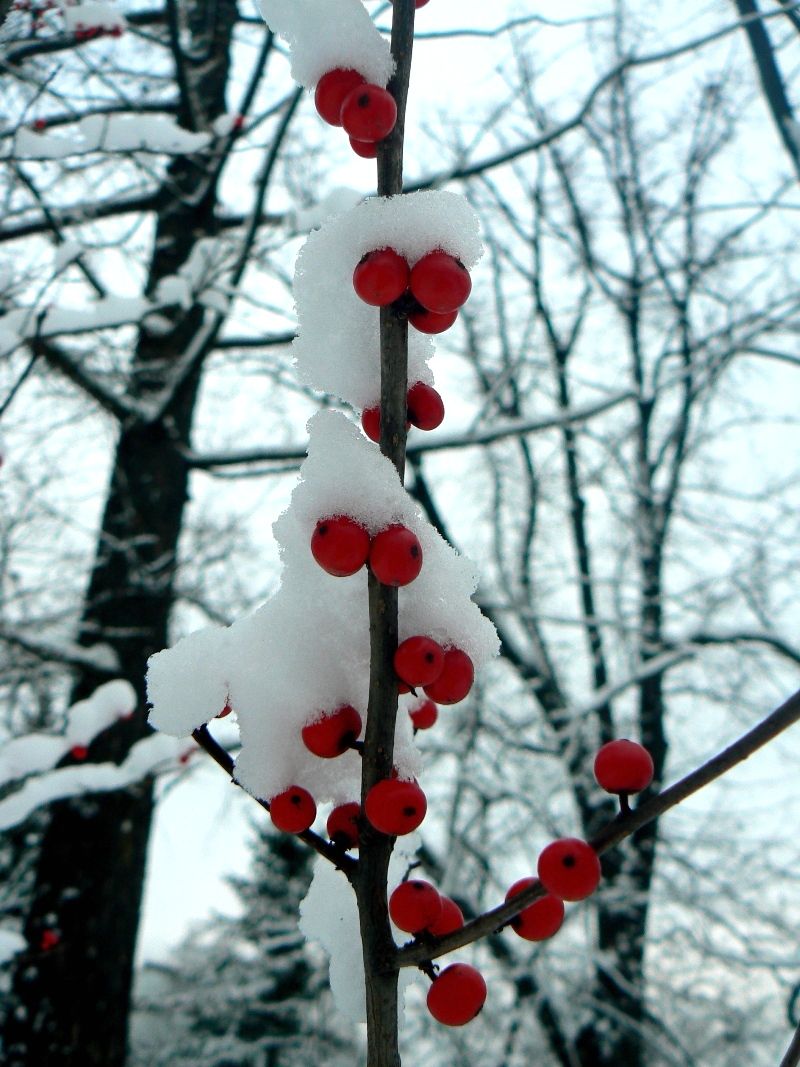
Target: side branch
x=615 y=832
x=334 y=855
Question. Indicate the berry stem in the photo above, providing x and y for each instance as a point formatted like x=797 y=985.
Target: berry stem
x=624 y=804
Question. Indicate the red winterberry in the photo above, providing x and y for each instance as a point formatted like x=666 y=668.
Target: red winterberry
x=623 y=766
x=418 y=660
x=395 y=556
x=342 y=825
x=424 y=715
x=371 y=423
x=425 y=406
x=569 y=868
x=238 y=122
x=332 y=88
x=333 y=733
x=49 y=940
x=225 y=711
x=450 y=919
x=381 y=277
x=293 y=810
x=456 y=678
x=395 y=807
x=39 y=124
x=456 y=995
x=365 y=149
x=430 y=321
x=414 y=905
x=79 y=752
x=440 y=282
x=542 y=919
x=340 y=545
x=368 y=113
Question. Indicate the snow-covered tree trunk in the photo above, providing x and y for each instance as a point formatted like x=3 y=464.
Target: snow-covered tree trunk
x=71 y=1005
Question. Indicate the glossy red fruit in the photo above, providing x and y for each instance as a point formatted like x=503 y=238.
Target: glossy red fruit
x=414 y=905
x=395 y=557
x=40 y=124
x=342 y=825
x=333 y=733
x=425 y=406
x=340 y=545
x=623 y=766
x=542 y=919
x=293 y=810
x=451 y=918
x=569 y=868
x=371 y=423
x=424 y=715
x=79 y=752
x=332 y=88
x=49 y=940
x=456 y=678
x=365 y=149
x=457 y=994
x=440 y=282
x=381 y=277
x=395 y=807
x=430 y=321
x=419 y=660
x=368 y=113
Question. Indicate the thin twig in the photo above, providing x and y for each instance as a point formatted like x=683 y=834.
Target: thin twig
x=347 y=864
x=622 y=827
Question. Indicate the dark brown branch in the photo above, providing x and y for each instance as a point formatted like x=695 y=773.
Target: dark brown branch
x=615 y=832
x=330 y=852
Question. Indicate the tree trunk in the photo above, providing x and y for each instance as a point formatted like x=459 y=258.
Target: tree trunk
x=70 y=1003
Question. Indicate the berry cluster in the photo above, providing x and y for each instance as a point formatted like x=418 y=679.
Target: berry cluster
x=367 y=112
x=424 y=409
x=86 y=33
x=430 y=293
x=341 y=546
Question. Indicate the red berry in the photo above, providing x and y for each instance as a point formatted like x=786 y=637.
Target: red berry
x=333 y=733
x=414 y=905
x=371 y=423
x=365 y=149
x=623 y=766
x=39 y=124
x=430 y=321
x=450 y=919
x=440 y=282
x=49 y=940
x=368 y=113
x=395 y=557
x=332 y=88
x=456 y=995
x=542 y=919
x=238 y=123
x=381 y=277
x=225 y=711
x=340 y=545
x=419 y=660
x=569 y=868
x=424 y=715
x=425 y=406
x=395 y=807
x=293 y=810
x=79 y=752
x=342 y=825
x=456 y=678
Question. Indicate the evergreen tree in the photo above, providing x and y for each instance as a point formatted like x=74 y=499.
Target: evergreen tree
x=246 y=991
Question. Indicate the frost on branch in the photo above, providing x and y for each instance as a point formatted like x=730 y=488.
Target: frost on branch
x=109 y=133
x=306 y=651
x=323 y=35
x=344 y=361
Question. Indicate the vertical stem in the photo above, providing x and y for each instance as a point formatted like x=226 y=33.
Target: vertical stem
x=375 y=849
